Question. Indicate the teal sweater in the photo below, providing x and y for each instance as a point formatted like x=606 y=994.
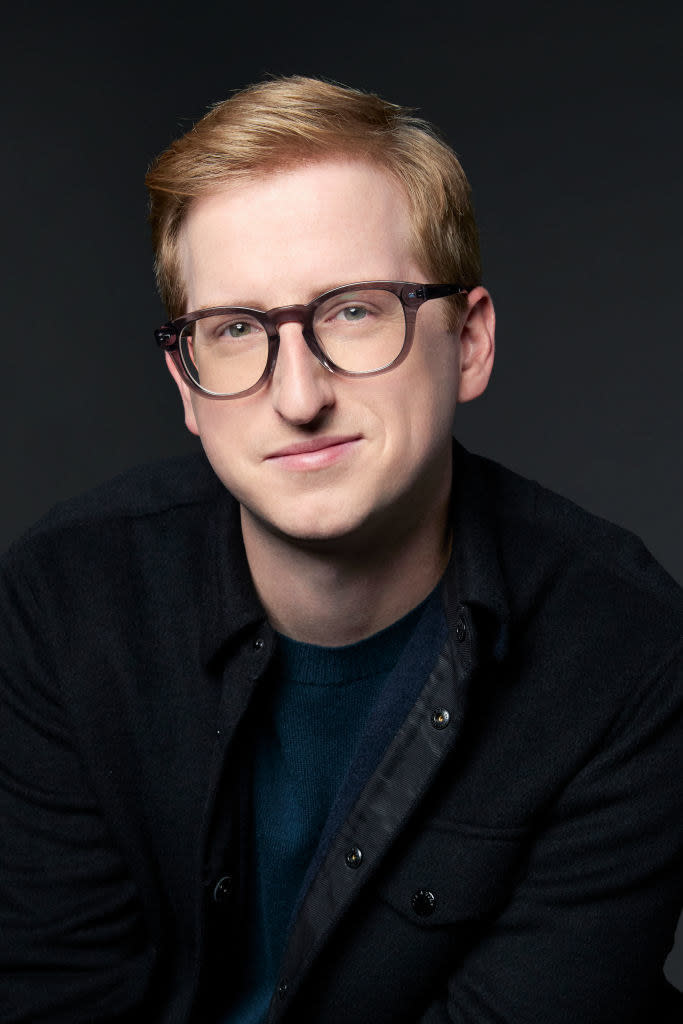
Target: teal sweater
x=320 y=701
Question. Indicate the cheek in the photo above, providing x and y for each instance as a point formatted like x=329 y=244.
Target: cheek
x=424 y=397
x=444 y=380
x=220 y=428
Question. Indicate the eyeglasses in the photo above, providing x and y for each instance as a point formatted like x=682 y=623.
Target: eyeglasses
x=356 y=330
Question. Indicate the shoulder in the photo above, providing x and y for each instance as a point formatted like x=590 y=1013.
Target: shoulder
x=151 y=514
x=581 y=591
x=146 y=490
x=543 y=534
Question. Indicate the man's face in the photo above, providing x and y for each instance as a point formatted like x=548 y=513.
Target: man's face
x=312 y=456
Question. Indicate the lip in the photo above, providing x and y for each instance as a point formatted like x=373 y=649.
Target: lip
x=315 y=453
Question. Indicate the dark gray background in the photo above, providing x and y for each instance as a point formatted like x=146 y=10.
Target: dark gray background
x=567 y=119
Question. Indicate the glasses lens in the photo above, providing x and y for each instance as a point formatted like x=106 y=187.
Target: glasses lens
x=225 y=353
x=361 y=330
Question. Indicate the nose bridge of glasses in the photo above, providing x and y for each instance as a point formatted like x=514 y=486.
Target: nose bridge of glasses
x=289 y=314
x=302 y=315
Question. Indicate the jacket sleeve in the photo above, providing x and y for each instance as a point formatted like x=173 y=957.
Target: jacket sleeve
x=585 y=934
x=72 y=941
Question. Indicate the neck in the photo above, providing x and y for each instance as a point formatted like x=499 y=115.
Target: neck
x=335 y=594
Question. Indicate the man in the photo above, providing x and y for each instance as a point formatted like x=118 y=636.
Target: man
x=340 y=723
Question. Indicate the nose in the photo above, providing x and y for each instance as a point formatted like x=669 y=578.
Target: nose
x=301 y=388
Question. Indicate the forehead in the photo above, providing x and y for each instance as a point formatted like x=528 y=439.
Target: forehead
x=287 y=236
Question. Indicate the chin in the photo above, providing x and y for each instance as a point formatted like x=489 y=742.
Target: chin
x=318 y=528
x=314 y=532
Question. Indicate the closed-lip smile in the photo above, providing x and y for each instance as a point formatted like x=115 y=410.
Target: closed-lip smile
x=315 y=452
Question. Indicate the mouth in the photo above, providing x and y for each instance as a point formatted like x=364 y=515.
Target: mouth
x=315 y=453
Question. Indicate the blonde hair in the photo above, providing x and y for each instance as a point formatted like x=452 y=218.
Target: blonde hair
x=285 y=122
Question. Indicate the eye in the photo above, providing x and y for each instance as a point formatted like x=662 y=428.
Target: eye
x=353 y=313
x=239 y=329
x=232 y=328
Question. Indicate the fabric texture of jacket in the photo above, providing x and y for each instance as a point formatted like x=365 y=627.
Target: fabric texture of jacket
x=507 y=847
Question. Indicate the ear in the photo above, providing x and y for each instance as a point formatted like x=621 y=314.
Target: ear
x=477 y=345
x=185 y=395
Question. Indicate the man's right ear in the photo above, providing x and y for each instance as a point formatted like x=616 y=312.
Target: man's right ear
x=185 y=394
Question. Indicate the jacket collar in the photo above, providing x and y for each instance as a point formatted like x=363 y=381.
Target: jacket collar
x=475 y=562
x=232 y=607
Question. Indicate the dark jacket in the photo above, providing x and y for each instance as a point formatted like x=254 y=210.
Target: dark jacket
x=507 y=848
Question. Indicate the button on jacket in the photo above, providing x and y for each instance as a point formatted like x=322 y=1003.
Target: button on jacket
x=508 y=851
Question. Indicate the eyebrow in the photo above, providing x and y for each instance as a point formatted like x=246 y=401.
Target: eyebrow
x=229 y=305
x=253 y=304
